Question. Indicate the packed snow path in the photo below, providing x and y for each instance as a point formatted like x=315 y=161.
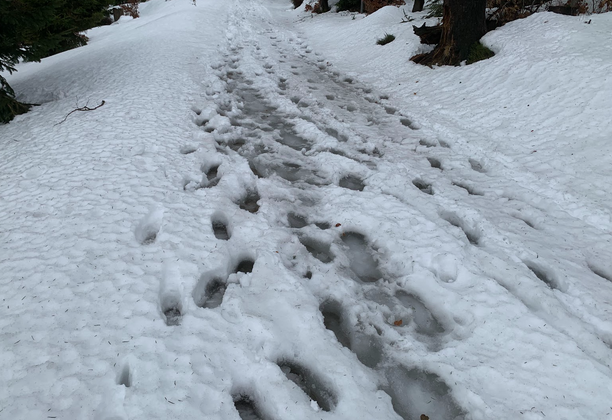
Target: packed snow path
x=298 y=248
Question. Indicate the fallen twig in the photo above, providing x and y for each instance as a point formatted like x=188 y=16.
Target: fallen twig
x=83 y=108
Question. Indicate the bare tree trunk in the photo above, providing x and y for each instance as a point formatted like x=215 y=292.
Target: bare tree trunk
x=463 y=24
x=418 y=6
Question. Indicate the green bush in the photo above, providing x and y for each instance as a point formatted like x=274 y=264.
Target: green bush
x=386 y=39
x=479 y=52
x=350 y=5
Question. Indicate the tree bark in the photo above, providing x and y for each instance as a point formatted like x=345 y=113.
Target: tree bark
x=429 y=35
x=418 y=6
x=463 y=24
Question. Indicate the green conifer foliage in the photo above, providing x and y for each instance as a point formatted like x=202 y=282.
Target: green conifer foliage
x=33 y=29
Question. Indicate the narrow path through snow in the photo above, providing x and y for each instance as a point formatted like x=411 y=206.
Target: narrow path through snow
x=327 y=165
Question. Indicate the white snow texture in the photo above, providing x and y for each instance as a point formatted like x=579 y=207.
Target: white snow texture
x=272 y=217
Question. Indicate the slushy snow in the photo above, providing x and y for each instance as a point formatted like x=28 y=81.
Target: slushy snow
x=272 y=217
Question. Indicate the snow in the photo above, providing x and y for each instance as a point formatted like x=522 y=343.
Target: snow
x=273 y=217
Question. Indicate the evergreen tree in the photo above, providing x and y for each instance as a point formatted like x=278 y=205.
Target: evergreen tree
x=33 y=29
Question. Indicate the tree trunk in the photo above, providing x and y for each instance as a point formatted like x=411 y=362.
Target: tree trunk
x=463 y=24
x=429 y=35
x=418 y=6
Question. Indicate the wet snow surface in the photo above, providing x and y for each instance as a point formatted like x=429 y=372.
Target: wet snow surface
x=286 y=243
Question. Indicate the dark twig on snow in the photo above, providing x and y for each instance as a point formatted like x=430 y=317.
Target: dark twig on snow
x=83 y=108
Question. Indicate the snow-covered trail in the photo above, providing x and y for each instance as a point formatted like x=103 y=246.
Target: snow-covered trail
x=308 y=252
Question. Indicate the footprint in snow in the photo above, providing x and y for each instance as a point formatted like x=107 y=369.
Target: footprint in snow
x=296 y=221
x=424 y=320
x=170 y=295
x=408 y=123
x=211 y=176
x=249 y=201
x=310 y=383
x=188 y=149
x=471 y=190
x=361 y=257
x=470 y=233
x=351 y=182
x=546 y=275
x=423 y=186
x=125 y=376
x=246 y=407
x=320 y=250
x=417 y=394
x=219 y=226
x=435 y=163
x=367 y=348
x=599 y=269
x=427 y=143
x=210 y=289
x=148 y=228
x=477 y=166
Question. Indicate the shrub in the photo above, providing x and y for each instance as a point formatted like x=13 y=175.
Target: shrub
x=386 y=39
x=479 y=52
x=131 y=8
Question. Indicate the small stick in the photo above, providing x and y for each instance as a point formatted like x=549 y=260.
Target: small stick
x=83 y=108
